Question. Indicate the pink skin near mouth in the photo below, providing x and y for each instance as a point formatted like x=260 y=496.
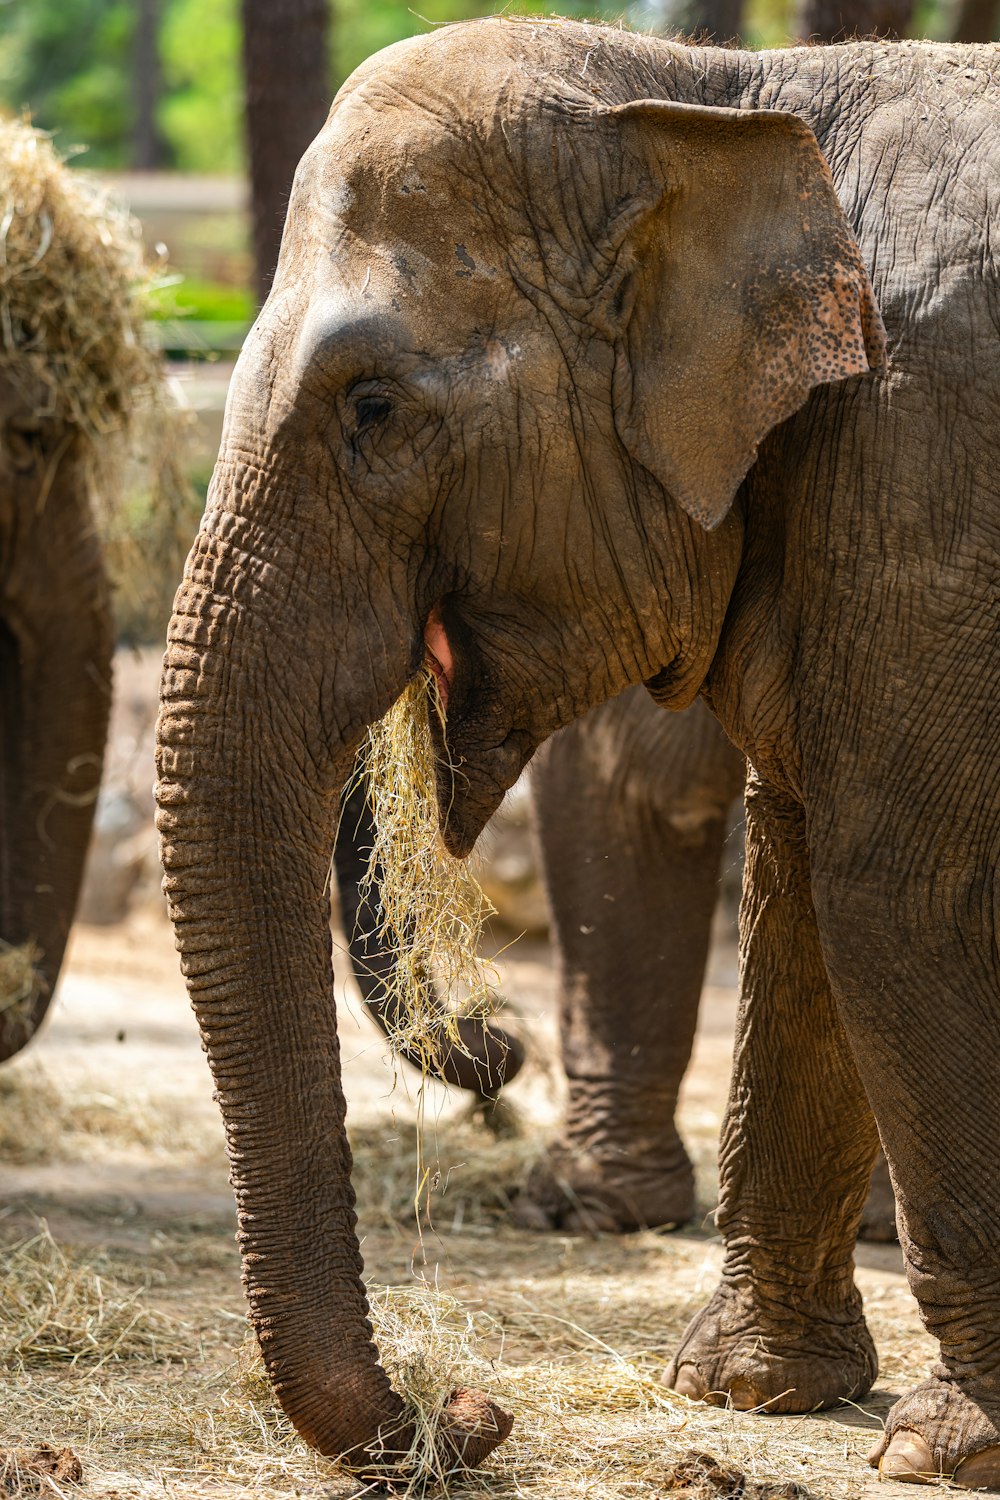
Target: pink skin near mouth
x=438 y=654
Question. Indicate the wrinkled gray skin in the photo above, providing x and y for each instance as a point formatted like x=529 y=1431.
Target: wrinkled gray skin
x=55 y=694
x=632 y=808
x=572 y=391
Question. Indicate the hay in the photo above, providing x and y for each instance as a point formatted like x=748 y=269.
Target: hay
x=41 y=1121
x=20 y=985
x=72 y=289
x=57 y=1311
x=432 y=907
x=469 y=1178
x=74 y=294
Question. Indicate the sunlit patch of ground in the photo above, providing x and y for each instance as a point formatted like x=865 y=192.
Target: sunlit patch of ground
x=123 y=1323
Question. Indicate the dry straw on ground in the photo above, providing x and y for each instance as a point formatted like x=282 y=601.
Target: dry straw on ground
x=55 y=1310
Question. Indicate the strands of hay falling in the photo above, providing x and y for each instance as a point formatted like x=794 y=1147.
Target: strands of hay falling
x=75 y=291
x=432 y=907
x=54 y=1310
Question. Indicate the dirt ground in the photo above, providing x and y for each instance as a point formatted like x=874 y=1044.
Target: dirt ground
x=108 y=1134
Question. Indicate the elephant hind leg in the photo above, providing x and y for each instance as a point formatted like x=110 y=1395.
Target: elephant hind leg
x=631 y=805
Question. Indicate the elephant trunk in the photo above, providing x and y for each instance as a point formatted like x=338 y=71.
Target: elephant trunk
x=249 y=782
x=56 y=645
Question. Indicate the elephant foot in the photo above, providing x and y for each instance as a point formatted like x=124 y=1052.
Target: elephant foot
x=878 y=1222
x=938 y=1431
x=737 y=1353
x=571 y=1191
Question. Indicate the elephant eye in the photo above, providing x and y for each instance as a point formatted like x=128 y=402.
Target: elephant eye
x=385 y=425
x=371 y=411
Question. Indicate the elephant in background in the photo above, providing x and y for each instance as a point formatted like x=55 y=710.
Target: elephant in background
x=77 y=382
x=572 y=378
x=56 y=645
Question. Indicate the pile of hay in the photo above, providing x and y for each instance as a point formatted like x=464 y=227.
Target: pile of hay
x=75 y=291
x=20 y=982
x=54 y=1310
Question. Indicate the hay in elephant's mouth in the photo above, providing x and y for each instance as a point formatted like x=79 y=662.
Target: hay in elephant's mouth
x=432 y=907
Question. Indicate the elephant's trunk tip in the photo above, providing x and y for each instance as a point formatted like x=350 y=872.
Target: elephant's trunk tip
x=472 y=1426
x=465 y=1433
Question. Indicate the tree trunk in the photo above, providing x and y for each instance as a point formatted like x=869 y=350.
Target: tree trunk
x=719 y=20
x=976 y=21
x=840 y=20
x=287 y=76
x=148 y=147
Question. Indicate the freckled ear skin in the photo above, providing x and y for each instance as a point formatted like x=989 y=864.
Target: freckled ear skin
x=743 y=289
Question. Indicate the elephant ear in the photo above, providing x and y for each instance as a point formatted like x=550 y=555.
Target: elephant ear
x=738 y=288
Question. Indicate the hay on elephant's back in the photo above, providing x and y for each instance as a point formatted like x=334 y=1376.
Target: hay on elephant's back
x=74 y=295
x=432 y=907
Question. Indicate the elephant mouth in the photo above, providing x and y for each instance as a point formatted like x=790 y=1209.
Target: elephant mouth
x=479 y=755
x=438 y=655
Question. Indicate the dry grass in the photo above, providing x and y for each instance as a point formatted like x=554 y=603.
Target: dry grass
x=433 y=910
x=41 y=1122
x=58 y=1310
x=577 y=1357
x=20 y=982
x=450 y=1175
x=74 y=291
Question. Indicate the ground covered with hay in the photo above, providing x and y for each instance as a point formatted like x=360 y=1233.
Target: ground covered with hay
x=122 y=1333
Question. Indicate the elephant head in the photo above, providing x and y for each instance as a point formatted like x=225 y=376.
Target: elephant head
x=527 y=330
x=56 y=642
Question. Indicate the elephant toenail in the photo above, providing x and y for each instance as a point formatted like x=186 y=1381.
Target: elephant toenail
x=743 y=1396
x=909 y=1460
x=981 y=1471
x=688 y=1382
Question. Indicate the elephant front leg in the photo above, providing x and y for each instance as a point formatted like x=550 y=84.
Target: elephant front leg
x=785 y=1332
x=632 y=855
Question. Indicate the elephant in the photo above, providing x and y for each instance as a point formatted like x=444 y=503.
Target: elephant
x=573 y=378
x=633 y=806
x=56 y=645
